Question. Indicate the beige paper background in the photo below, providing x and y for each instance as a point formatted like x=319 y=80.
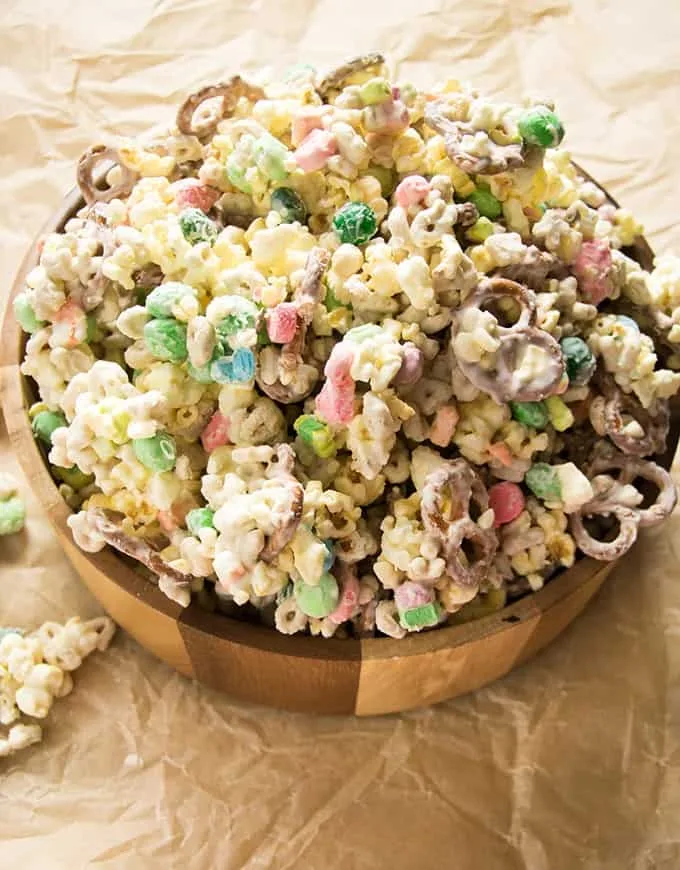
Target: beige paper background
x=571 y=762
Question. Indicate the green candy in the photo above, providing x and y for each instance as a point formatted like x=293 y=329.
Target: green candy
x=73 y=477
x=25 y=315
x=317 y=601
x=200 y=518
x=355 y=223
x=543 y=481
x=540 y=126
x=12 y=516
x=480 y=230
x=166 y=339
x=316 y=434
x=234 y=323
x=289 y=205
x=270 y=157
x=197 y=227
x=579 y=360
x=161 y=300
x=420 y=617
x=534 y=414
x=375 y=91
x=387 y=177
x=45 y=423
x=486 y=203
x=157 y=453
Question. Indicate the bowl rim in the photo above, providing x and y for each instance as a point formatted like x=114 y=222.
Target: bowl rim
x=14 y=394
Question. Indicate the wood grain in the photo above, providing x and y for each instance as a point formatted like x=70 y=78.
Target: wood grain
x=257 y=664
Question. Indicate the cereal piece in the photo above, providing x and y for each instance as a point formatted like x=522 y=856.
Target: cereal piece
x=543 y=481
x=200 y=518
x=318 y=601
x=534 y=414
x=166 y=339
x=594 y=267
x=162 y=299
x=412 y=191
x=25 y=315
x=444 y=425
x=418 y=618
x=216 y=433
x=315 y=150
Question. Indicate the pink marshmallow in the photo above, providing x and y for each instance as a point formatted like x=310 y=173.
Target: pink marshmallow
x=411 y=190
x=507 y=501
x=389 y=117
x=335 y=402
x=282 y=323
x=216 y=432
x=71 y=323
x=303 y=124
x=593 y=268
x=410 y=595
x=314 y=150
x=349 y=596
x=444 y=425
x=500 y=451
x=191 y=193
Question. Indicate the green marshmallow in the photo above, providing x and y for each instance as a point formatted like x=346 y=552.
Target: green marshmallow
x=355 y=223
x=166 y=339
x=534 y=414
x=486 y=203
x=540 y=126
x=424 y=616
x=12 y=515
x=200 y=518
x=197 y=227
x=45 y=423
x=270 y=157
x=317 y=601
x=73 y=477
x=25 y=315
x=543 y=481
x=289 y=205
x=579 y=360
x=161 y=300
x=157 y=453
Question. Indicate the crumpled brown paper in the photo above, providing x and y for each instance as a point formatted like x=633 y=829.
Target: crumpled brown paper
x=566 y=763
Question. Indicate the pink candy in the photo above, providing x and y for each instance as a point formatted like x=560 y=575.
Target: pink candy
x=349 y=596
x=410 y=595
x=282 y=323
x=216 y=433
x=314 y=150
x=444 y=425
x=303 y=124
x=388 y=117
x=191 y=193
x=593 y=269
x=335 y=402
x=507 y=501
x=411 y=190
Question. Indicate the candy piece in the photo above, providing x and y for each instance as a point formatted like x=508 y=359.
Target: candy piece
x=317 y=434
x=501 y=453
x=216 y=432
x=540 y=126
x=317 y=601
x=628 y=321
x=444 y=425
x=507 y=502
x=239 y=368
x=191 y=193
x=314 y=151
x=166 y=339
x=73 y=477
x=270 y=157
x=282 y=322
x=161 y=300
x=12 y=515
x=45 y=423
x=330 y=556
x=420 y=617
x=486 y=203
x=289 y=205
x=232 y=324
x=387 y=178
x=349 y=597
x=593 y=268
x=389 y=117
x=310 y=118
x=411 y=595
x=25 y=315
x=534 y=414
x=335 y=402
x=412 y=190
x=157 y=453
x=560 y=415
x=543 y=481
x=480 y=230
x=355 y=223
x=579 y=360
x=197 y=227
x=200 y=518
x=375 y=91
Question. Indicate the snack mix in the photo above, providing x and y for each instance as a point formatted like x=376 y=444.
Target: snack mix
x=364 y=358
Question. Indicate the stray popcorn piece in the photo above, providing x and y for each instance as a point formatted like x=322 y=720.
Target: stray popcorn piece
x=35 y=668
x=342 y=350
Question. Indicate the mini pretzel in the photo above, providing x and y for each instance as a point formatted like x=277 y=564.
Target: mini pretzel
x=445 y=511
x=298 y=374
x=231 y=91
x=534 y=269
x=335 y=79
x=86 y=182
x=502 y=383
x=136 y=548
x=630 y=519
x=655 y=421
x=283 y=534
x=499 y=159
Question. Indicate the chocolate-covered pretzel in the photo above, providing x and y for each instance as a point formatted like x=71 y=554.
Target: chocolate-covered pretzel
x=87 y=183
x=503 y=382
x=654 y=421
x=334 y=80
x=445 y=511
x=610 y=501
x=231 y=92
x=285 y=531
x=499 y=157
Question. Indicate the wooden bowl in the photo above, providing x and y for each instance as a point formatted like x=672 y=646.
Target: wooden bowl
x=255 y=663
